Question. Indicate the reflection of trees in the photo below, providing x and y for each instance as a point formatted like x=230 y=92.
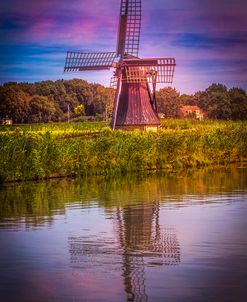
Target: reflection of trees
x=34 y=204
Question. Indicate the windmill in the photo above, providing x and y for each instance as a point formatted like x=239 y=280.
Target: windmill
x=135 y=78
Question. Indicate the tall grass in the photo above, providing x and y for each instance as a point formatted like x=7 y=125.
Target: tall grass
x=28 y=154
x=59 y=128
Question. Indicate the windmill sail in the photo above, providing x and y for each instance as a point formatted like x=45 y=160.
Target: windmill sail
x=80 y=61
x=129 y=28
x=145 y=70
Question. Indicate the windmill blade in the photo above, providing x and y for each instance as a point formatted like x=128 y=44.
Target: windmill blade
x=160 y=70
x=129 y=28
x=80 y=61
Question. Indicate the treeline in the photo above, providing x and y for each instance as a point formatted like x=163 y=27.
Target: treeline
x=50 y=101
x=217 y=102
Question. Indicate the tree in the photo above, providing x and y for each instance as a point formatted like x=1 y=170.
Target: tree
x=102 y=99
x=168 y=102
x=215 y=101
x=79 y=110
x=238 y=103
x=41 y=109
x=14 y=103
x=186 y=99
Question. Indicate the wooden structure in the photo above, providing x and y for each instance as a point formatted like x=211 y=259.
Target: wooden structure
x=134 y=78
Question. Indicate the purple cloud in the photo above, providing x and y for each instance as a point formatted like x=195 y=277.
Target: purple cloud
x=193 y=31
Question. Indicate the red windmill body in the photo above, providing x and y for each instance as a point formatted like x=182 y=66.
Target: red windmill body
x=135 y=102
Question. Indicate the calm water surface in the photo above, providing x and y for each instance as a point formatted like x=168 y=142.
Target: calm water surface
x=178 y=237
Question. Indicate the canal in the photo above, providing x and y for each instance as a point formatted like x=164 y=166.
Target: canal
x=143 y=237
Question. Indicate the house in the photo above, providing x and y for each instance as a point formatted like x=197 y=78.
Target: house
x=6 y=121
x=191 y=112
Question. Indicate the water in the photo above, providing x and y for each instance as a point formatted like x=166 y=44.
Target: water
x=177 y=237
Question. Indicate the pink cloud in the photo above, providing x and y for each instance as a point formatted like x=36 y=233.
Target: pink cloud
x=167 y=30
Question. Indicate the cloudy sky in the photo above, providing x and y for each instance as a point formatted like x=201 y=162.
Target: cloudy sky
x=208 y=38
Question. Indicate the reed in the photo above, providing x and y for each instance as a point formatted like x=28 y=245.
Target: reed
x=55 y=151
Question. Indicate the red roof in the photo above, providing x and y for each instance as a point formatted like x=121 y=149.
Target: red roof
x=192 y=108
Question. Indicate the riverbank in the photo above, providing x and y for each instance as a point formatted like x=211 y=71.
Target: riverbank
x=40 y=152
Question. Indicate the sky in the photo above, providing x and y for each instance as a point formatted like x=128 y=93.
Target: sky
x=208 y=38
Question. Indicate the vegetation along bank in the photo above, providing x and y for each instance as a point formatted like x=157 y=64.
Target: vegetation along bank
x=57 y=150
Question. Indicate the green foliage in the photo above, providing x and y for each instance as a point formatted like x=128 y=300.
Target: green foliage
x=48 y=101
x=42 y=110
x=168 y=102
x=220 y=103
x=217 y=102
x=37 y=152
x=238 y=105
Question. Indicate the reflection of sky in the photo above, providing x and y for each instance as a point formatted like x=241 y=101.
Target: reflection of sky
x=208 y=38
x=212 y=240
x=88 y=250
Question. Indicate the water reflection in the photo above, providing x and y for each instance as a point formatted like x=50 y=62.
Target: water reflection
x=141 y=242
x=30 y=205
x=135 y=238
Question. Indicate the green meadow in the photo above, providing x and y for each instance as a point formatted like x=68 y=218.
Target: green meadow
x=40 y=151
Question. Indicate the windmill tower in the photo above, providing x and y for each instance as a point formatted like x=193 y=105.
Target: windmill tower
x=135 y=78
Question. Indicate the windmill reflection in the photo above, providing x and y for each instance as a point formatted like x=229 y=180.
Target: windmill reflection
x=144 y=243
x=140 y=243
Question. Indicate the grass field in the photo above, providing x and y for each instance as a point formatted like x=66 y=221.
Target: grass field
x=57 y=150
